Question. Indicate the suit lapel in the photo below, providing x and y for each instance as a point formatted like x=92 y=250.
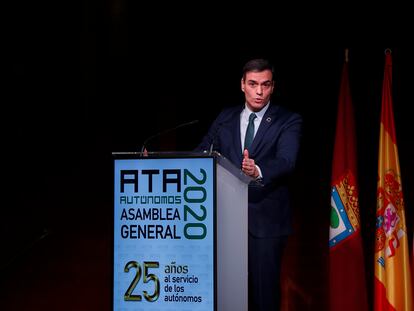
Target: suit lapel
x=268 y=119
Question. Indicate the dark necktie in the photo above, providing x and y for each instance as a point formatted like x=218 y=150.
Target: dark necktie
x=249 y=132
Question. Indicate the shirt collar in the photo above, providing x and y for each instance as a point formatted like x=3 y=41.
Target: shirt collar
x=260 y=113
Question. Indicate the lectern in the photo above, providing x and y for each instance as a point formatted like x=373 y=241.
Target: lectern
x=180 y=232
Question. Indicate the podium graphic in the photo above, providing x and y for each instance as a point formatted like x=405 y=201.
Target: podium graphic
x=180 y=232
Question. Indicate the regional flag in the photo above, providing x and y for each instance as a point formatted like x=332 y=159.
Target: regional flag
x=392 y=290
x=346 y=260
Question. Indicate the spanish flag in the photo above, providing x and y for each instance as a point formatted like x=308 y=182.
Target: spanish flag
x=392 y=290
x=347 y=284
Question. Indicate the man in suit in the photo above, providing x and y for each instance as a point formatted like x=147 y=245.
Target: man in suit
x=263 y=140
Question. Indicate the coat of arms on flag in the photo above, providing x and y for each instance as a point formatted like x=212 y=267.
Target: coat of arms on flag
x=389 y=228
x=344 y=209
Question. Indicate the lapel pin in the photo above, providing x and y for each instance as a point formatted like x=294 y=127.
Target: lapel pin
x=268 y=119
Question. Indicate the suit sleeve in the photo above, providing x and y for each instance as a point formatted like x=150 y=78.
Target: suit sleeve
x=286 y=150
x=212 y=134
x=208 y=138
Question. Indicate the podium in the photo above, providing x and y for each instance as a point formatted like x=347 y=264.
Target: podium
x=180 y=232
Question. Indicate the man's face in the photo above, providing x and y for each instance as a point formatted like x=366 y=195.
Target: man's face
x=257 y=88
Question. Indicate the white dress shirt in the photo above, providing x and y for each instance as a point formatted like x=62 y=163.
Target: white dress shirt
x=244 y=122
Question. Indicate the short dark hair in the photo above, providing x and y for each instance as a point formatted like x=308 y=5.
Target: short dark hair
x=258 y=65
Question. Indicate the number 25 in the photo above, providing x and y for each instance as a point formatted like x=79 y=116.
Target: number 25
x=128 y=296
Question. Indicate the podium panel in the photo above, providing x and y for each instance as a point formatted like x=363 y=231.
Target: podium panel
x=231 y=241
x=180 y=233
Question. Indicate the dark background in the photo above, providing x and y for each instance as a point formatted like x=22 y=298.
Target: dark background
x=94 y=77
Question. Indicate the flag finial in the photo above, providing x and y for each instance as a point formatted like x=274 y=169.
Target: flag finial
x=346 y=55
x=387 y=51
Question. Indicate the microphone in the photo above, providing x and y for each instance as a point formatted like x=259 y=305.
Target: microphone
x=165 y=132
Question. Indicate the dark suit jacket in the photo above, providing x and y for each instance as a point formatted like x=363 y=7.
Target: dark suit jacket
x=274 y=149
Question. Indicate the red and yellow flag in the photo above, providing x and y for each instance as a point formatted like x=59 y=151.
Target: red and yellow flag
x=346 y=261
x=392 y=289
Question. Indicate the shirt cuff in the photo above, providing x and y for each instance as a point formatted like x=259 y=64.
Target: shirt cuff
x=260 y=172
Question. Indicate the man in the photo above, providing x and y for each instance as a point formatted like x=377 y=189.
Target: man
x=263 y=140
